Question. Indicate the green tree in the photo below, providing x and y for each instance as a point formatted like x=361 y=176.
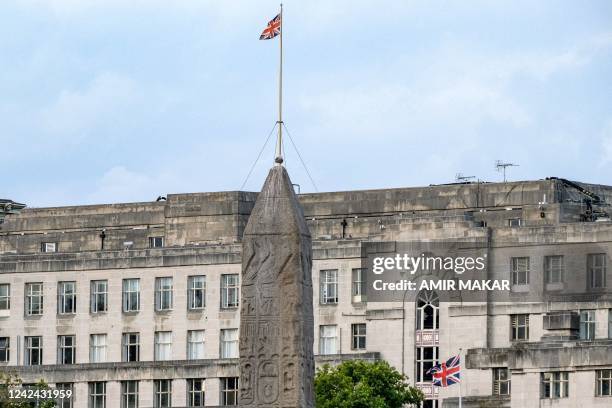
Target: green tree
x=8 y=381
x=360 y=384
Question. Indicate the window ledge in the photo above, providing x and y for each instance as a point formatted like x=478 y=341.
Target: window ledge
x=552 y=287
x=602 y=289
x=520 y=288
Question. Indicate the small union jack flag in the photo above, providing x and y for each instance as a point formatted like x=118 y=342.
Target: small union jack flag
x=446 y=374
x=273 y=29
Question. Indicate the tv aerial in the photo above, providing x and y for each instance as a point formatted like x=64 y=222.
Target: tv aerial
x=460 y=178
x=501 y=167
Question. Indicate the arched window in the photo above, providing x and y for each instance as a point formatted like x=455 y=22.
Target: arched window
x=427 y=340
x=428 y=316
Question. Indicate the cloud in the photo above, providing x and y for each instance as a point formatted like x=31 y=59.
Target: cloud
x=452 y=84
x=384 y=109
x=543 y=65
x=105 y=98
x=121 y=184
x=78 y=9
x=125 y=91
x=393 y=102
x=472 y=101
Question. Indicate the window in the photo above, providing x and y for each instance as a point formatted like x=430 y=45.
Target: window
x=329 y=287
x=229 y=343
x=97 y=394
x=5 y=349
x=427 y=312
x=33 y=350
x=196 y=292
x=195 y=392
x=229 y=391
x=66 y=297
x=426 y=358
x=48 y=247
x=610 y=323
x=604 y=383
x=129 y=394
x=162 y=393
x=66 y=349
x=5 y=296
x=596 y=268
x=163 y=293
x=229 y=291
x=99 y=296
x=34 y=299
x=587 y=325
x=328 y=339
x=358 y=283
x=97 y=348
x=520 y=271
x=195 y=344
x=515 y=222
x=67 y=401
x=553 y=269
x=156 y=242
x=131 y=347
x=555 y=385
x=163 y=345
x=501 y=381
x=519 y=327
x=359 y=336
x=131 y=295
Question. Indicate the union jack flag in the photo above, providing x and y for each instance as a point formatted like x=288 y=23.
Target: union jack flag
x=273 y=29
x=446 y=374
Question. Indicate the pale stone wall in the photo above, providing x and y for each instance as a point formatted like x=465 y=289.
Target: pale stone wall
x=202 y=236
x=581 y=392
x=114 y=323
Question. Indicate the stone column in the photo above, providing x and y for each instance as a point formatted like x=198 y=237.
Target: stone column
x=276 y=318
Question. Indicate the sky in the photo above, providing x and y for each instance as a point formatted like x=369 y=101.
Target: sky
x=122 y=101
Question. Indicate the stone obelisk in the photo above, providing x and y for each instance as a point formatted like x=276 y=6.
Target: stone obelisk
x=276 y=319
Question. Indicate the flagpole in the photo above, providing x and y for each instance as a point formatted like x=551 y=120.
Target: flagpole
x=279 y=144
x=462 y=376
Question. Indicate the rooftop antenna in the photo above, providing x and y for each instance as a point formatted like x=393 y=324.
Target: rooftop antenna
x=460 y=178
x=501 y=166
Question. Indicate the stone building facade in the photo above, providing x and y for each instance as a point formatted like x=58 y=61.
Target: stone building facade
x=141 y=301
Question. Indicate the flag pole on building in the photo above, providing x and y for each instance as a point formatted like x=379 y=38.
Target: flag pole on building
x=278 y=159
x=462 y=379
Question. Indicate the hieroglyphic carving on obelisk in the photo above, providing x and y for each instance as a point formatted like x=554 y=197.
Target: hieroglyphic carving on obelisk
x=276 y=320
